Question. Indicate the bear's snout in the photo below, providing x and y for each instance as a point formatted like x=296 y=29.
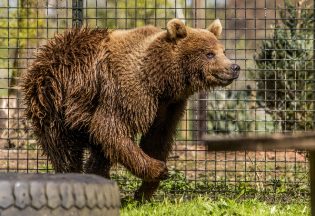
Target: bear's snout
x=235 y=68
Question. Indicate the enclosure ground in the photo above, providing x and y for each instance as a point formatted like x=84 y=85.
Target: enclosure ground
x=193 y=159
x=194 y=169
x=203 y=206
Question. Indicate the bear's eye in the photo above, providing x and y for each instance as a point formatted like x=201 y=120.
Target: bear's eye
x=210 y=55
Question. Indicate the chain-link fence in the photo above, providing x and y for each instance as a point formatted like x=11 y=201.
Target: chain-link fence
x=272 y=40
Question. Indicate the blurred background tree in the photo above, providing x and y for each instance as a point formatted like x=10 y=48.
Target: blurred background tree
x=283 y=62
x=130 y=14
x=21 y=23
x=284 y=71
x=18 y=29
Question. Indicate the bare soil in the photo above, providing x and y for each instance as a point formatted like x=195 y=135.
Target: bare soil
x=195 y=162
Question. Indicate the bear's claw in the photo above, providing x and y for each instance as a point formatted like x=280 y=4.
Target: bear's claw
x=164 y=175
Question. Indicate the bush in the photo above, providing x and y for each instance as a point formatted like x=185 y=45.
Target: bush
x=284 y=69
x=236 y=112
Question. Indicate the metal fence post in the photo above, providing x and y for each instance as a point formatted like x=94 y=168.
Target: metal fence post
x=312 y=179
x=200 y=119
x=77 y=13
x=312 y=153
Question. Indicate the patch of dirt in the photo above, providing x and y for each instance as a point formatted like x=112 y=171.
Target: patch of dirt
x=29 y=161
x=196 y=163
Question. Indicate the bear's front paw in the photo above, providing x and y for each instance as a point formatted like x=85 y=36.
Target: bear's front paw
x=157 y=171
x=164 y=173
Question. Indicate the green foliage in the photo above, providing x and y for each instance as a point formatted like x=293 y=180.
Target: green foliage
x=285 y=80
x=176 y=183
x=18 y=30
x=204 y=206
x=45 y=168
x=233 y=112
x=127 y=182
x=131 y=14
x=19 y=24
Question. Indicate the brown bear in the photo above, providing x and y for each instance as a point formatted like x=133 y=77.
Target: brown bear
x=98 y=89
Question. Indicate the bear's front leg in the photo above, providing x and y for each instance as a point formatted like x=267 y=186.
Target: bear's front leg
x=117 y=146
x=139 y=163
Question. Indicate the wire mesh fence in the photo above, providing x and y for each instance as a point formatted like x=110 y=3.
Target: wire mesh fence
x=271 y=40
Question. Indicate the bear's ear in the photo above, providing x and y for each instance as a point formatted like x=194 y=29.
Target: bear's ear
x=176 y=29
x=216 y=28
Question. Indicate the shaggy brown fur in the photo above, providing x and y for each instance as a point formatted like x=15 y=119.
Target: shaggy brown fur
x=98 y=89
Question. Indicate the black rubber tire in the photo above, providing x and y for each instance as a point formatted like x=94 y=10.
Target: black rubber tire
x=57 y=194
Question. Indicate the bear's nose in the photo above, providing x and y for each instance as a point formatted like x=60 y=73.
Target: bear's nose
x=235 y=67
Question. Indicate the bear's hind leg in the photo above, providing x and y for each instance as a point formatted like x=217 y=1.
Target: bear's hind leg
x=98 y=163
x=157 y=143
x=64 y=152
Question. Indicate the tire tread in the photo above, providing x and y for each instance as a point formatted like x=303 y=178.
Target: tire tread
x=66 y=193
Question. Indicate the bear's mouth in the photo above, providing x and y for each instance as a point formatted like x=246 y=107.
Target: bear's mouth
x=224 y=80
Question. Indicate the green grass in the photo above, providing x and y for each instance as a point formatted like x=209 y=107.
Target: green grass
x=204 y=206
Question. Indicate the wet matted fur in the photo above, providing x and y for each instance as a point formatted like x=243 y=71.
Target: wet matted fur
x=99 y=89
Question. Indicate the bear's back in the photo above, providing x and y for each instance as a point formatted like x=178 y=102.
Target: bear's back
x=131 y=42
x=63 y=76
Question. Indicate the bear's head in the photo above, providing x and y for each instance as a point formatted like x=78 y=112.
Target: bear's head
x=200 y=55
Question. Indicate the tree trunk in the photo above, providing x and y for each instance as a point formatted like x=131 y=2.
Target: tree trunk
x=16 y=72
x=200 y=107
